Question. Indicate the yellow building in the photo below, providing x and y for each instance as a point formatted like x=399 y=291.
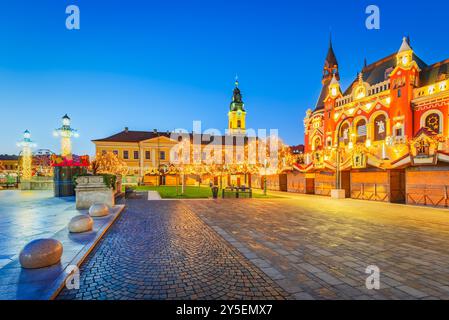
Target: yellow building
x=9 y=163
x=143 y=152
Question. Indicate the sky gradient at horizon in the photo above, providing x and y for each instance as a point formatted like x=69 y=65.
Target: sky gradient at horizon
x=163 y=64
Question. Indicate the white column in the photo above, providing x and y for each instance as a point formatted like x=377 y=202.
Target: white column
x=141 y=164
x=153 y=157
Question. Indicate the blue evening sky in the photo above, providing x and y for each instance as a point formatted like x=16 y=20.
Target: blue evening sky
x=162 y=64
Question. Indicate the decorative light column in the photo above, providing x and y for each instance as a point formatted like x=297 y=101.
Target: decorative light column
x=26 y=144
x=66 y=133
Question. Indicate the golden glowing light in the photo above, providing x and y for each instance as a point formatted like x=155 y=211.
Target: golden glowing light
x=350 y=145
x=368 y=143
x=26 y=144
x=66 y=133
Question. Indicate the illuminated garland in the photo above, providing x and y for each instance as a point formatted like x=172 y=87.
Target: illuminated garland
x=69 y=161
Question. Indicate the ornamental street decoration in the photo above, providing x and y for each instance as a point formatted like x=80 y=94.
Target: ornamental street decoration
x=424 y=148
x=359 y=160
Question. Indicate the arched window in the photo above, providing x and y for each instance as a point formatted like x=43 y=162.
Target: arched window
x=239 y=123
x=344 y=133
x=380 y=127
x=361 y=130
x=317 y=143
x=433 y=122
x=329 y=142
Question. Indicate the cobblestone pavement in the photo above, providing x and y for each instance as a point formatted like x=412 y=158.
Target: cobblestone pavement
x=319 y=248
x=160 y=250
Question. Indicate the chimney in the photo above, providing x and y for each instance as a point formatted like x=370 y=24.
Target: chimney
x=126 y=129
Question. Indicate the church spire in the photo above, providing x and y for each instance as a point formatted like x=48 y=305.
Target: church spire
x=330 y=70
x=331 y=63
x=237 y=102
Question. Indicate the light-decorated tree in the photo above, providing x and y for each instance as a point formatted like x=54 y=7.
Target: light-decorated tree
x=108 y=163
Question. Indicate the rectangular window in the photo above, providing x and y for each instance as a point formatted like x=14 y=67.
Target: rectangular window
x=136 y=155
x=399 y=93
x=162 y=155
x=399 y=132
x=115 y=152
x=147 y=155
x=126 y=155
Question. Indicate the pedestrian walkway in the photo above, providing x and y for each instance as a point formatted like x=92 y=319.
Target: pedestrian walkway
x=154 y=195
x=30 y=215
x=160 y=250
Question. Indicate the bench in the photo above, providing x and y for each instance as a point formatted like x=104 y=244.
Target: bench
x=232 y=192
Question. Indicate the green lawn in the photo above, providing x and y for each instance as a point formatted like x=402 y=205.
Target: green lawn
x=191 y=192
x=170 y=192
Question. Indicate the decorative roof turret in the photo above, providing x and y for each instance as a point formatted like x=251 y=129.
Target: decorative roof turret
x=330 y=70
x=405 y=46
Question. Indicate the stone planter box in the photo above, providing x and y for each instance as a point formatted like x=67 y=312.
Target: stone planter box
x=92 y=190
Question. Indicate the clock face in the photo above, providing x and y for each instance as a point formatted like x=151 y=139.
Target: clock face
x=404 y=60
x=334 y=92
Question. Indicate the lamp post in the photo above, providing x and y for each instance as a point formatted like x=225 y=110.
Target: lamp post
x=338 y=172
x=156 y=132
x=66 y=133
x=26 y=144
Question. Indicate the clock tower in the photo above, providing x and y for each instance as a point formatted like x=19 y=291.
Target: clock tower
x=237 y=113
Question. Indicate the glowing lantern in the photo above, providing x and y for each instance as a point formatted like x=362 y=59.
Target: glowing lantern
x=350 y=145
x=368 y=143
x=26 y=144
x=66 y=133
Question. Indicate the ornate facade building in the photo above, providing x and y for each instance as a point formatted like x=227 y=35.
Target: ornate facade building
x=385 y=137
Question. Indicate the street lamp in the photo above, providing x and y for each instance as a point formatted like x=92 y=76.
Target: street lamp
x=338 y=172
x=265 y=165
x=26 y=144
x=66 y=133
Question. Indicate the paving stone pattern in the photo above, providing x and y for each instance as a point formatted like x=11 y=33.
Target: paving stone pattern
x=161 y=250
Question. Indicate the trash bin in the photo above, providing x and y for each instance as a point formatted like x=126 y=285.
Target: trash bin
x=215 y=192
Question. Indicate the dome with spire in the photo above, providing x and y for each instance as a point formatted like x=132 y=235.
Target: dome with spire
x=237 y=102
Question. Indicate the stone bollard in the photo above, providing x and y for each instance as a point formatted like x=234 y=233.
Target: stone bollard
x=98 y=210
x=41 y=253
x=81 y=223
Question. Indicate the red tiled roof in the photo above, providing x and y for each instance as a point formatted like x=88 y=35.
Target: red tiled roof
x=133 y=136
x=138 y=136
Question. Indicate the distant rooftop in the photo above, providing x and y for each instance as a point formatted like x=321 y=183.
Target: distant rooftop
x=8 y=157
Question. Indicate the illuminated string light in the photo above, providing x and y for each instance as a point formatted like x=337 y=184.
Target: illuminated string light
x=26 y=144
x=66 y=133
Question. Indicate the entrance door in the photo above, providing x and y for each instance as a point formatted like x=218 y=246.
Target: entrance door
x=283 y=182
x=397 y=186
x=162 y=180
x=310 y=185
